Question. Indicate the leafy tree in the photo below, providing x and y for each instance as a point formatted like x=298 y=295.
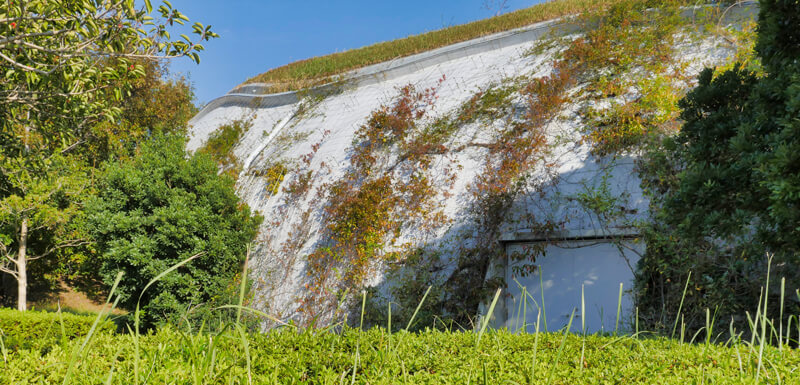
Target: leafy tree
x=158 y=103
x=49 y=203
x=733 y=194
x=160 y=209
x=65 y=66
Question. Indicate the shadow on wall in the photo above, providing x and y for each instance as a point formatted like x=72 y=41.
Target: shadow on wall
x=599 y=265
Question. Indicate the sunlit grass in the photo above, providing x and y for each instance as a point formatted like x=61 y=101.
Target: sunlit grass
x=231 y=355
x=319 y=70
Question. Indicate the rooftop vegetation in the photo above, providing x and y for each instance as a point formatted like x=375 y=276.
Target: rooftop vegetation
x=319 y=70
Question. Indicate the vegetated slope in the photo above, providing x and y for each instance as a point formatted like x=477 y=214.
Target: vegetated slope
x=376 y=357
x=318 y=70
x=416 y=177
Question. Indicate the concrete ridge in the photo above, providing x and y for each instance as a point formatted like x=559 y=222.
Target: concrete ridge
x=250 y=94
x=255 y=94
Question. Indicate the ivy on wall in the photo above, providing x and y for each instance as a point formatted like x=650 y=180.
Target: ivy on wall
x=620 y=81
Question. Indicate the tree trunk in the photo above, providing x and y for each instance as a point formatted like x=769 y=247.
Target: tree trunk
x=22 y=278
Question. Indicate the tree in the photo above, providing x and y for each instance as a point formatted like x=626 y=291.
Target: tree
x=733 y=193
x=66 y=66
x=740 y=145
x=160 y=209
x=47 y=204
x=158 y=104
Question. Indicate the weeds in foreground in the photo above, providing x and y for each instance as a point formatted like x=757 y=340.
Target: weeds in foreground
x=341 y=354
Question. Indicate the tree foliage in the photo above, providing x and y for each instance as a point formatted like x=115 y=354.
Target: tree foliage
x=158 y=103
x=728 y=185
x=162 y=208
x=66 y=67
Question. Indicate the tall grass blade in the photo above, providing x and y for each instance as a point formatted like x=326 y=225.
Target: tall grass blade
x=535 y=343
x=76 y=351
x=780 y=319
x=61 y=322
x=355 y=364
x=3 y=347
x=541 y=288
x=257 y=312
x=525 y=296
x=524 y=310
x=755 y=322
x=764 y=322
x=583 y=327
x=561 y=347
x=697 y=333
x=683 y=329
x=138 y=311
x=363 y=306
x=419 y=306
x=243 y=286
x=246 y=346
x=619 y=310
x=113 y=366
x=135 y=338
x=583 y=311
x=488 y=315
x=680 y=307
x=517 y=316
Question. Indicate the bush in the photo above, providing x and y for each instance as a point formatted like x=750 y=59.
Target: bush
x=725 y=191
x=38 y=330
x=162 y=208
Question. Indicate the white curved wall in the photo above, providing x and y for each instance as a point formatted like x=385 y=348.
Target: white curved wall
x=326 y=130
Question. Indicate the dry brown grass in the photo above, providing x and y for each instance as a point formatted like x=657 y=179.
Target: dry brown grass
x=73 y=301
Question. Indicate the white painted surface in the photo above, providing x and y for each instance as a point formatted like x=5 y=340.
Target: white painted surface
x=596 y=266
x=326 y=131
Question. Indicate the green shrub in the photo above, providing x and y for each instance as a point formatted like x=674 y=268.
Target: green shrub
x=725 y=191
x=161 y=208
x=38 y=330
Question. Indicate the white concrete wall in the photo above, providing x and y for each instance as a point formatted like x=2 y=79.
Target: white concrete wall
x=326 y=132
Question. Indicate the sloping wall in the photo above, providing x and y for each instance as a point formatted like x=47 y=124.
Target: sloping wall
x=301 y=149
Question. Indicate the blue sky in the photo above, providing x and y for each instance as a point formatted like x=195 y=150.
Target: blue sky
x=257 y=35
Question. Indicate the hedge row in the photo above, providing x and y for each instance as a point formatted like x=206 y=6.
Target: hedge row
x=39 y=330
x=375 y=357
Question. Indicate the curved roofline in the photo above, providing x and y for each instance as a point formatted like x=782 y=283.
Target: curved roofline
x=256 y=94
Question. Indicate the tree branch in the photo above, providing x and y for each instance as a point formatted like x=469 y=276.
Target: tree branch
x=64 y=244
x=9 y=272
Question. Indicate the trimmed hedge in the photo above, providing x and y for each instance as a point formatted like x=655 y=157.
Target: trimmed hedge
x=39 y=329
x=376 y=357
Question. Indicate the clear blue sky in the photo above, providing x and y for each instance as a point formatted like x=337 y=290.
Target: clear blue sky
x=257 y=35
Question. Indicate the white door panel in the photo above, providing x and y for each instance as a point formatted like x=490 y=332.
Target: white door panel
x=597 y=266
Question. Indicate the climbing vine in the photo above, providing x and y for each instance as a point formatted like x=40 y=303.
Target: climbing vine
x=380 y=195
x=220 y=146
x=619 y=82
